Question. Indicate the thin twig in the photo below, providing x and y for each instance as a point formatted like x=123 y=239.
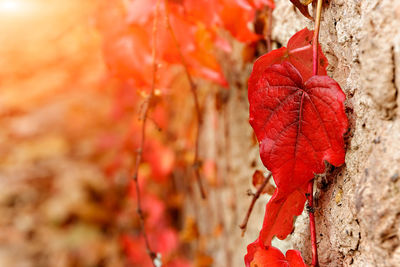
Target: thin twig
x=193 y=89
x=243 y=226
x=139 y=153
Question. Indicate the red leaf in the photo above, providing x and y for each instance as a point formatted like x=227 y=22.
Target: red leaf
x=196 y=44
x=271 y=257
x=298 y=125
x=294 y=258
x=298 y=52
x=235 y=18
x=251 y=250
x=279 y=213
x=302 y=8
x=123 y=58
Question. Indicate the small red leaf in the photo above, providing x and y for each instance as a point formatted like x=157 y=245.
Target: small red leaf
x=259 y=256
x=302 y=8
x=298 y=125
x=298 y=52
x=270 y=257
x=301 y=55
x=294 y=258
x=279 y=214
x=251 y=250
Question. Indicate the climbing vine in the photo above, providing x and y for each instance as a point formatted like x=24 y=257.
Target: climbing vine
x=298 y=115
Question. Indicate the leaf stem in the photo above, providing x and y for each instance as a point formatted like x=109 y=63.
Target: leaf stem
x=243 y=225
x=316 y=36
x=139 y=152
x=193 y=89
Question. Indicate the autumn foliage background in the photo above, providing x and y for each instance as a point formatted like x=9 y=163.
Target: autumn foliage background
x=75 y=77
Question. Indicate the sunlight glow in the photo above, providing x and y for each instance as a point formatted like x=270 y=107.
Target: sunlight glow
x=10 y=6
x=13 y=6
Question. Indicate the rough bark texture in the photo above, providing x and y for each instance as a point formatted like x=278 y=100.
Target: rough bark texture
x=358 y=204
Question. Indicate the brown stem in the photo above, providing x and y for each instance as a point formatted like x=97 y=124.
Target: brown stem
x=313 y=232
x=139 y=154
x=193 y=89
x=243 y=225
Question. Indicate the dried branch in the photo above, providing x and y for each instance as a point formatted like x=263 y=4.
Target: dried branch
x=139 y=154
x=193 y=89
x=243 y=226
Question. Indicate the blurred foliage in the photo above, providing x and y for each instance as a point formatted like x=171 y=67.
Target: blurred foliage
x=73 y=79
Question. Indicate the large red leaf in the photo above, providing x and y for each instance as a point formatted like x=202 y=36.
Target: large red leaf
x=298 y=125
x=258 y=256
x=298 y=52
x=279 y=214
